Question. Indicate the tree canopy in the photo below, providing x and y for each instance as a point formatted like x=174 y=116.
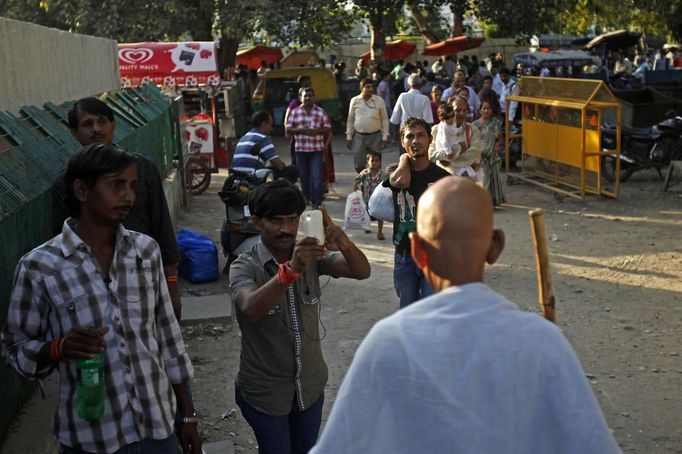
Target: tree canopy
x=320 y=23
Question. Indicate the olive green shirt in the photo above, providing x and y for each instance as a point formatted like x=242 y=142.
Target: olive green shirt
x=281 y=358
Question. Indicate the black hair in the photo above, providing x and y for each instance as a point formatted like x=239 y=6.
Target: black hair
x=276 y=198
x=91 y=162
x=366 y=81
x=258 y=118
x=445 y=111
x=90 y=105
x=486 y=77
x=373 y=154
x=504 y=70
x=411 y=122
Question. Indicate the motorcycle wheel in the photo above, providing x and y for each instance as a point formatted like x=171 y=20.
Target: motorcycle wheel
x=608 y=167
x=197 y=175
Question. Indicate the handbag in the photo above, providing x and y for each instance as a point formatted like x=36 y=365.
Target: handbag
x=380 y=204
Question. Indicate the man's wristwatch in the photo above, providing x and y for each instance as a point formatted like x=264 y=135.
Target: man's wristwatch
x=190 y=419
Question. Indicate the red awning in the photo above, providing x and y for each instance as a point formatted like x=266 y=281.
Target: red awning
x=252 y=56
x=189 y=63
x=453 y=45
x=396 y=50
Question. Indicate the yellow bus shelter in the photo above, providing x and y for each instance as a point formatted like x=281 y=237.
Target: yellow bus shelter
x=561 y=132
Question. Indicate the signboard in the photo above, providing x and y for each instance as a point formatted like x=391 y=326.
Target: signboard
x=199 y=137
x=188 y=63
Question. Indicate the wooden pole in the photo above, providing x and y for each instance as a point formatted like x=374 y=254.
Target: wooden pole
x=545 y=295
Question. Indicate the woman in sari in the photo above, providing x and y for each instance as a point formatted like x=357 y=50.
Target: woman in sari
x=490 y=128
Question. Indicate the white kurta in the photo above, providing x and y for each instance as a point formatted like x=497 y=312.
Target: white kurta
x=465 y=371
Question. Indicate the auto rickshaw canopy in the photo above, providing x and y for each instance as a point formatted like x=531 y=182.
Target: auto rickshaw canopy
x=322 y=80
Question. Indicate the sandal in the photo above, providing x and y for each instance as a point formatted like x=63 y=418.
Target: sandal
x=380 y=236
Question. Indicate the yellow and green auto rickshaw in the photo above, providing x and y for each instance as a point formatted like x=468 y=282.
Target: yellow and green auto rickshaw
x=280 y=86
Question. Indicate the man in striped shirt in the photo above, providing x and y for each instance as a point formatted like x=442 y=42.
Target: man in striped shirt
x=255 y=150
x=98 y=288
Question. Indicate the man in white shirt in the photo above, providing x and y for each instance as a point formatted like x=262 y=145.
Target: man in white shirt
x=367 y=125
x=437 y=67
x=458 y=82
x=412 y=103
x=504 y=88
x=449 y=67
x=622 y=65
x=463 y=370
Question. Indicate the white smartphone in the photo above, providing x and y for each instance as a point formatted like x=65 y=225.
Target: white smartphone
x=311 y=225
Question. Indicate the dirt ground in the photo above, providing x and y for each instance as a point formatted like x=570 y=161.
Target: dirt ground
x=616 y=268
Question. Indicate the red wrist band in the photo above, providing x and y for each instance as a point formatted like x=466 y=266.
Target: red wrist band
x=286 y=275
x=54 y=350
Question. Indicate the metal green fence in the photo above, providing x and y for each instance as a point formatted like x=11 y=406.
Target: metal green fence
x=35 y=146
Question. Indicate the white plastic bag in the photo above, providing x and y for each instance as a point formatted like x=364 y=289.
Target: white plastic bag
x=381 y=204
x=356 y=216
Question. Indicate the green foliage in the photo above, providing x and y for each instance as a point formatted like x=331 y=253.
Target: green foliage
x=658 y=17
x=521 y=18
x=125 y=20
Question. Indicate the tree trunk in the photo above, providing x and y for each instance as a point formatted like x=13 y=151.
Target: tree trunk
x=422 y=24
x=458 y=8
x=377 y=36
x=227 y=56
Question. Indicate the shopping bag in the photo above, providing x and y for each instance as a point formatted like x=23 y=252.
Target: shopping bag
x=356 y=216
x=198 y=257
x=381 y=205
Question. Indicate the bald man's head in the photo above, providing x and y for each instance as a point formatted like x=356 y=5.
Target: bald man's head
x=455 y=233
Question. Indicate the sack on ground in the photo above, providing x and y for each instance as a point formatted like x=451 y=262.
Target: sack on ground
x=356 y=216
x=380 y=205
x=198 y=257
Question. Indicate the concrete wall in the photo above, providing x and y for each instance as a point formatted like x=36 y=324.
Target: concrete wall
x=40 y=64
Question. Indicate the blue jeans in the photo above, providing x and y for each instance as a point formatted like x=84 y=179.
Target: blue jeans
x=309 y=165
x=295 y=433
x=408 y=280
x=146 y=446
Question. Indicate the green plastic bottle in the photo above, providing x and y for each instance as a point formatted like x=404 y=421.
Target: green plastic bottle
x=90 y=388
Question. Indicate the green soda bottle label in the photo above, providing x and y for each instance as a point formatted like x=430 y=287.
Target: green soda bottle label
x=90 y=377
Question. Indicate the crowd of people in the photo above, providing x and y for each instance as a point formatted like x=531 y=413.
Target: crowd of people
x=457 y=368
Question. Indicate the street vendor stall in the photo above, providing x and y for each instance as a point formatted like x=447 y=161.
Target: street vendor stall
x=254 y=55
x=189 y=69
x=561 y=132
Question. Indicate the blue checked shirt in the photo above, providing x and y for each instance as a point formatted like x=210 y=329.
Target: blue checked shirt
x=59 y=285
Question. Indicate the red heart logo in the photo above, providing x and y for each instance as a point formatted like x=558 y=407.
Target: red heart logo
x=135 y=56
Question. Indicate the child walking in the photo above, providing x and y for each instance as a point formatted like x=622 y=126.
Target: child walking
x=367 y=180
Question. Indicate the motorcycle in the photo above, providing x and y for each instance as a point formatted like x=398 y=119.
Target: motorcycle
x=642 y=148
x=238 y=233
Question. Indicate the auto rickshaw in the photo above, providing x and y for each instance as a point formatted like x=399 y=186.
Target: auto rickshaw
x=278 y=87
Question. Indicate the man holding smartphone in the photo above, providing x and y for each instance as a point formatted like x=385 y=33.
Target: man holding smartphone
x=276 y=289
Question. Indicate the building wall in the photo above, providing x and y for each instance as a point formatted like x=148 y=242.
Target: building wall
x=40 y=64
